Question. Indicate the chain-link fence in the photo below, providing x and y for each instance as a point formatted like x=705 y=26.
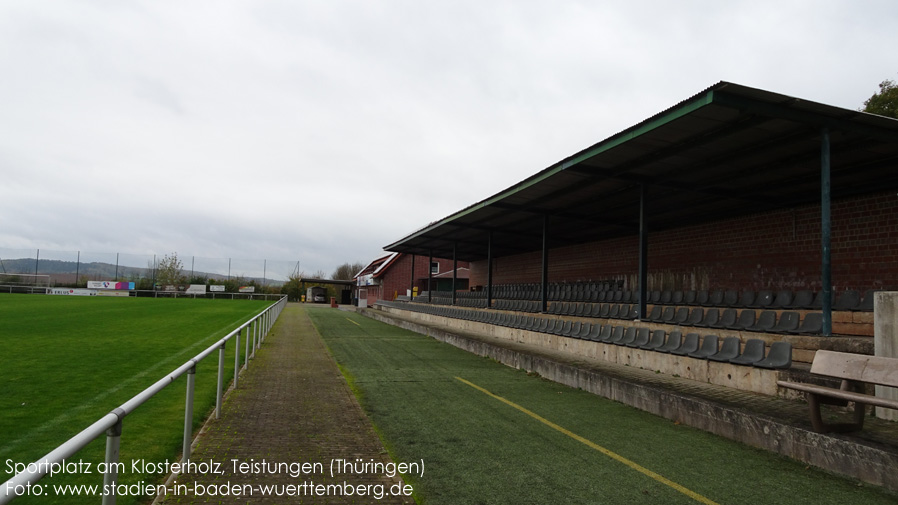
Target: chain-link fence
x=76 y=268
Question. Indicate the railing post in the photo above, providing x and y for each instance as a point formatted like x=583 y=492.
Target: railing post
x=236 y=358
x=246 y=356
x=113 y=442
x=220 y=387
x=188 y=415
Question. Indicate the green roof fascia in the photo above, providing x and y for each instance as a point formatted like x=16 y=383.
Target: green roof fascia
x=674 y=113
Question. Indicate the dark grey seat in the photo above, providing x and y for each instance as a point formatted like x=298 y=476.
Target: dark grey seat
x=606 y=333
x=788 y=321
x=655 y=297
x=629 y=336
x=584 y=331
x=766 y=321
x=573 y=329
x=849 y=299
x=710 y=319
x=615 y=311
x=677 y=298
x=564 y=328
x=642 y=338
x=730 y=297
x=751 y=353
x=689 y=297
x=812 y=324
x=709 y=347
x=817 y=304
x=780 y=356
x=701 y=298
x=665 y=298
x=783 y=299
x=617 y=333
x=681 y=316
x=726 y=319
x=543 y=324
x=690 y=344
x=594 y=332
x=656 y=341
x=604 y=310
x=802 y=300
x=695 y=316
x=867 y=303
x=624 y=312
x=763 y=300
x=729 y=349
x=669 y=313
x=674 y=340
x=715 y=299
x=747 y=299
x=655 y=314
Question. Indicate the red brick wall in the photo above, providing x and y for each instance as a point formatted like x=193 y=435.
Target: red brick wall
x=397 y=278
x=772 y=250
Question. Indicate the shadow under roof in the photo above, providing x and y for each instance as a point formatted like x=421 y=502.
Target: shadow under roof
x=728 y=151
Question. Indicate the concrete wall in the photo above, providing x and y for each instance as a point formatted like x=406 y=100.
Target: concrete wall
x=885 y=342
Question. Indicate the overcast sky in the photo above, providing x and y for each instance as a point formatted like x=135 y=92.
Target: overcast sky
x=319 y=132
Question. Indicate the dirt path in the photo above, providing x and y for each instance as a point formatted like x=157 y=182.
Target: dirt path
x=292 y=408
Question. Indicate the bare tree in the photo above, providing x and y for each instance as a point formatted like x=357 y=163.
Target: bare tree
x=347 y=271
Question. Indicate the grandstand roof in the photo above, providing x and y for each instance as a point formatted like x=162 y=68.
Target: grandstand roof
x=727 y=151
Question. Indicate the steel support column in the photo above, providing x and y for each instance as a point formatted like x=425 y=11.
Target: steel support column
x=489 y=270
x=411 y=287
x=544 y=275
x=454 y=271
x=643 y=252
x=825 y=235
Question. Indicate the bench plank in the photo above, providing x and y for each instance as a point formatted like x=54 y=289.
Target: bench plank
x=858 y=367
x=850 y=396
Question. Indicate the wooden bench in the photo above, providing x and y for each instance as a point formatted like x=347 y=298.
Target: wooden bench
x=855 y=370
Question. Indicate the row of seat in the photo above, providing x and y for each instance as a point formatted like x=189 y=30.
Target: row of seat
x=692 y=344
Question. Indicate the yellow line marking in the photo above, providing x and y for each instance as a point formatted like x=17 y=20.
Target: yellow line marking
x=611 y=454
x=353 y=322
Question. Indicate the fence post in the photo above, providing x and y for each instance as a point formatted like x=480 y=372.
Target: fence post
x=236 y=358
x=246 y=357
x=220 y=387
x=188 y=414
x=113 y=442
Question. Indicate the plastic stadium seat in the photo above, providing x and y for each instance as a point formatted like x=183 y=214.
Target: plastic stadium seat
x=812 y=324
x=642 y=338
x=665 y=298
x=682 y=315
x=727 y=318
x=802 y=300
x=677 y=298
x=730 y=297
x=763 y=300
x=573 y=329
x=728 y=350
x=702 y=297
x=695 y=317
x=550 y=328
x=564 y=329
x=655 y=314
x=747 y=299
x=780 y=356
x=656 y=341
x=818 y=301
x=766 y=321
x=584 y=331
x=674 y=340
x=866 y=304
x=606 y=334
x=708 y=348
x=594 y=332
x=655 y=297
x=788 y=321
x=624 y=312
x=614 y=313
x=629 y=336
x=605 y=310
x=543 y=324
x=751 y=354
x=617 y=333
x=849 y=299
x=690 y=344
x=669 y=313
x=783 y=299
x=689 y=297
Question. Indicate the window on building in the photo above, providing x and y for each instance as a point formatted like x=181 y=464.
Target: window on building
x=434 y=267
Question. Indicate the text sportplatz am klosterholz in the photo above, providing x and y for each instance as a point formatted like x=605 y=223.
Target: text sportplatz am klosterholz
x=304 y=473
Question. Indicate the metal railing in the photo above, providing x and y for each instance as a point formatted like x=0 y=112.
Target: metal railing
x=255 y=331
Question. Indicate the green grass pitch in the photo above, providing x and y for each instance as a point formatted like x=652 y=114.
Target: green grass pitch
x=67 y=361
x=478 y=449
